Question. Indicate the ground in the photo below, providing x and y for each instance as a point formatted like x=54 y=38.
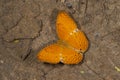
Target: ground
x=26 y=26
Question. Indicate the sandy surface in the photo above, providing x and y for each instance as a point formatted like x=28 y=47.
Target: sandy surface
x=26 y=26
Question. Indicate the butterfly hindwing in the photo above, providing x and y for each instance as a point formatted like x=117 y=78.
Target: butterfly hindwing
x=50 y=54
x=70 y=56
x=56 y=53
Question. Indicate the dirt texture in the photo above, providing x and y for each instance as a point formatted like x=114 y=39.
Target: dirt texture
x=26 y=26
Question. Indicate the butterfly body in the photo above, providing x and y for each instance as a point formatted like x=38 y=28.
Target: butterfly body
x=71 y=45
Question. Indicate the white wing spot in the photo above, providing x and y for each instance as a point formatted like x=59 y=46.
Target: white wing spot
x=61 y=59
x=74 y=31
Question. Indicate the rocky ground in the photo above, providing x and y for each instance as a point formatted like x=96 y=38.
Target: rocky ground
x=26 y=26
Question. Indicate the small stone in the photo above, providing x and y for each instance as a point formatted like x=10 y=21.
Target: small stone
x=82 y=72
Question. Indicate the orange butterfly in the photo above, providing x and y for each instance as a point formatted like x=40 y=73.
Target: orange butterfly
x=71 y=45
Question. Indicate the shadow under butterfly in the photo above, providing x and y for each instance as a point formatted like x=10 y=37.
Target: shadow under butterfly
x=71 y=45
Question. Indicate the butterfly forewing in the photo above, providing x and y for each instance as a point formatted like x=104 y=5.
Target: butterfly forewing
x=64 y=25
x=67 y=31
x=78 y=40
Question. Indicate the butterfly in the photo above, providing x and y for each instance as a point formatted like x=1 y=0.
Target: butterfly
x=71 y=45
